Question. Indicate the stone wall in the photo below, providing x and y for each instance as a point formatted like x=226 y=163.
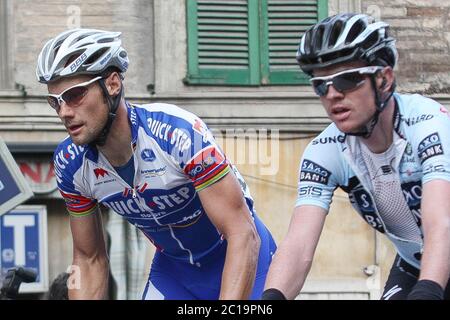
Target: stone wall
x=422 y=30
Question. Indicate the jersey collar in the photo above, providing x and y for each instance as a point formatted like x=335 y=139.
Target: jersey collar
x=132 y=119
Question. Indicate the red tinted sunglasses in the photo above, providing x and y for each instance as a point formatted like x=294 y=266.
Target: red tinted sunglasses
x=71 y=96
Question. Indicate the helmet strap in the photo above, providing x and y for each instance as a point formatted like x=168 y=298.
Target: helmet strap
x=113 y=104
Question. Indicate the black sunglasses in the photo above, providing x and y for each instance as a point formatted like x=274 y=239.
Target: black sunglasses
x=343 y=81
x=71 y=96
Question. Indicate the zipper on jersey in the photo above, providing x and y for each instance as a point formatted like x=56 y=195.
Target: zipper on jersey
x=133 y=149
x=108 y=167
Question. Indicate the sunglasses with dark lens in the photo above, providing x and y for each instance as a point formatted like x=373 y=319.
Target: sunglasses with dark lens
x=343 y=81
x=72 y=96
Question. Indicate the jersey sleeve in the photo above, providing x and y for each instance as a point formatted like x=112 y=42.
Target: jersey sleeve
x=431 y=140
x=203 y=162
x=77 y=202
x=317 y=176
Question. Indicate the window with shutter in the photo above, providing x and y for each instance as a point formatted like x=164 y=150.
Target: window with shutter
x=247 y=42
x=283 y=24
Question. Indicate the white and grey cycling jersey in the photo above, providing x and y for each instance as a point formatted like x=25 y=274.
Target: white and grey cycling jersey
x=422 y=153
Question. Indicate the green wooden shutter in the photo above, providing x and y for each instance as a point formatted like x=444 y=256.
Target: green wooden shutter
x=223 y=42
x=283 y=24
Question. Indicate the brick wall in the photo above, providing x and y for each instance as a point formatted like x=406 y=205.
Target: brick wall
x=422 y=30
x=37 y=21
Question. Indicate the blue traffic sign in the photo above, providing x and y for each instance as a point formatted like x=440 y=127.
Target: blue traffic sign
x=23 y=243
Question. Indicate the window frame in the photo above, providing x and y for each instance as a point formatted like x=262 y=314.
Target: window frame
x=258 y=71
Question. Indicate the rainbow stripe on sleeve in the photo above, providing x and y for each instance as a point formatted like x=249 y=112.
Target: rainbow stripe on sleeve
x=207 y=167
x=79 y=206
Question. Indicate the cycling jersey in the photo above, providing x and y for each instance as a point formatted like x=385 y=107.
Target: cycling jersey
x=175 y=156
x=171 y=279
x=422 y=141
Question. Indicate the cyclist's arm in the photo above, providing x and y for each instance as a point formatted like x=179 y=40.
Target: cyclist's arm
x=293 y=258
x=226 y=207
x=431 y=140
x=89 y=255
x=435 y=264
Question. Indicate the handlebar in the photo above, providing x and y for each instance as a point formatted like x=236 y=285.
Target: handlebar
x=13 y=280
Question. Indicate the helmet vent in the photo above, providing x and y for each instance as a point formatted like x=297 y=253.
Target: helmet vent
x=371 y=40
x=355 y=31
x=318 y=39
x=105 y=40
x=94 y=57
x=81 y=45
x=335 y=33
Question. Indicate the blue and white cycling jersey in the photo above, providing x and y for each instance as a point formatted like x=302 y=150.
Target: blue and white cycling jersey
x=175 y=156
x=333 y=159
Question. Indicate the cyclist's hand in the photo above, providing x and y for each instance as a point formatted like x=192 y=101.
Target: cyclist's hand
x=426 y=290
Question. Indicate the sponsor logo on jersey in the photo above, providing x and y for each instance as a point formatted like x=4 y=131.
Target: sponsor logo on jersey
x=65 y=155
x=392 y=291
x=180 y=139
x=158 y=205
x=100 y=172
x=408 y=150
x=177 y=137
x=133 y=116
x=310 y=191
x=204 y=162
x=362 y=199
x=418 y=119
x=159 y=129
x=408 y=156
x=154 y=172
x=148 y=155
x=71 y=201
x=362 y=202
x=326 y=140
x=429 y=147
x=312 y=172
x=412 y=191
x=186 y=221
x=433 y=168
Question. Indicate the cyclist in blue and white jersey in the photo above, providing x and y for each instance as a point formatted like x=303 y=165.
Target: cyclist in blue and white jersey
x=156 y=165
x=390 y=152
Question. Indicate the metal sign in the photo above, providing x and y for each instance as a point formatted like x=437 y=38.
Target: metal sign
x=13 y=187
x=40 y=175
x=23 y=243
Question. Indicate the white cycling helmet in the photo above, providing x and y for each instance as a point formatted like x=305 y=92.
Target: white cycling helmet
x=81 y=51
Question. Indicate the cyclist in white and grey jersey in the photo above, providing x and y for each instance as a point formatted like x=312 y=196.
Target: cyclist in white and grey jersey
x=389 y=152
